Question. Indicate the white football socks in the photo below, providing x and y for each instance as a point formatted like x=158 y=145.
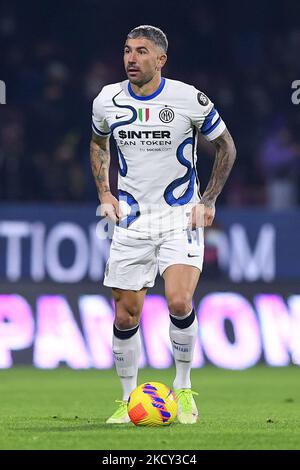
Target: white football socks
x=126 y=350
x=183 y=333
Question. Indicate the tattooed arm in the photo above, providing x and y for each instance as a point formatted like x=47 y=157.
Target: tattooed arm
x=224 y=159
x=100 y=161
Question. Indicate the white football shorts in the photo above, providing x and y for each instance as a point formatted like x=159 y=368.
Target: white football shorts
x=134 y=261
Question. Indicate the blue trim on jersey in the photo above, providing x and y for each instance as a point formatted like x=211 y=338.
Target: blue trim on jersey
x=99 y=132
x=189 y=176
x=149 y=97
x=218 y=121
x=122 y=163
x=135 y=209
x=207 y=126
x=123 y=123
x=208 y=120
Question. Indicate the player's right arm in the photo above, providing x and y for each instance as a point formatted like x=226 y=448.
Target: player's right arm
x=100 y=158
x=100 y=161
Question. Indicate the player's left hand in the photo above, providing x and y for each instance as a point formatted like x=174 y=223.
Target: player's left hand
x=202 y=215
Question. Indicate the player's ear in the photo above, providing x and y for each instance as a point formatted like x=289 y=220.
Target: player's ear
x=162 y=60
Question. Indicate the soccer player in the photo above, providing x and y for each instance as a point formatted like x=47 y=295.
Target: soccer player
x=159 y=214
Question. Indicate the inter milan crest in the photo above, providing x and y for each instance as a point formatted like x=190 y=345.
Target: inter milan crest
x=166 y=115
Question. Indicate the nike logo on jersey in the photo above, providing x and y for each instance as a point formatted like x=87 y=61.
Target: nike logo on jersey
x=119 y=117
x=193 y=256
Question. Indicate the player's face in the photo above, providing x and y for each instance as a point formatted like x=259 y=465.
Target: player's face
x=142 y=60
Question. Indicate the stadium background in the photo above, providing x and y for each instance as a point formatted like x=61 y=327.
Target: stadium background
x=55 y=57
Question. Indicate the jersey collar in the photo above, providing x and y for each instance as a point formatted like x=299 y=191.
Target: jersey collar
x=149 y=97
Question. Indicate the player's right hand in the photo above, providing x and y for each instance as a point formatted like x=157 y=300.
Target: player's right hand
x=110 y=207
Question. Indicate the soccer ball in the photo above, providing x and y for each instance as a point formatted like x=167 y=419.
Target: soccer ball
x=152 y=404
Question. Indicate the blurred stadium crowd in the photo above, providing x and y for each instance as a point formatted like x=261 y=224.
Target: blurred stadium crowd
x=56 y=56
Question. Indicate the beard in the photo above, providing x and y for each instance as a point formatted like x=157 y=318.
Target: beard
x=140 y=79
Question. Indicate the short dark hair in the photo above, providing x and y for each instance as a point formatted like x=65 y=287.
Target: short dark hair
x=152 y=33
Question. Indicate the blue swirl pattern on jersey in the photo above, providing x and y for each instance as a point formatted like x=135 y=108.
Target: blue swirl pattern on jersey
x=189 y=176
x=122 y=163
x=135 y=209
x=123 y=123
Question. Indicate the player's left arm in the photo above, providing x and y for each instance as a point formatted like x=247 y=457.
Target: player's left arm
x=203 y=213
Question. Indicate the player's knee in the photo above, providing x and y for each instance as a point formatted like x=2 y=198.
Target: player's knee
x=125 y=322
x=132 y=309
x=127 y=316
x=179 y=304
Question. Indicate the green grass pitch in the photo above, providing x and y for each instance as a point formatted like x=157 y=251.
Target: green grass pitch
x=258 y=408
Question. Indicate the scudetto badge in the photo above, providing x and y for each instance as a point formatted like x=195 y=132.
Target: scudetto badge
x=166 y=115
x=202 y=98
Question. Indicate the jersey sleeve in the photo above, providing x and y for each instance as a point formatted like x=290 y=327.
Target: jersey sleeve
x=99 y=123
x=205 y=117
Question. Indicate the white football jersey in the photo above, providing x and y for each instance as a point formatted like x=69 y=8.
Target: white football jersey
x=156 y=138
